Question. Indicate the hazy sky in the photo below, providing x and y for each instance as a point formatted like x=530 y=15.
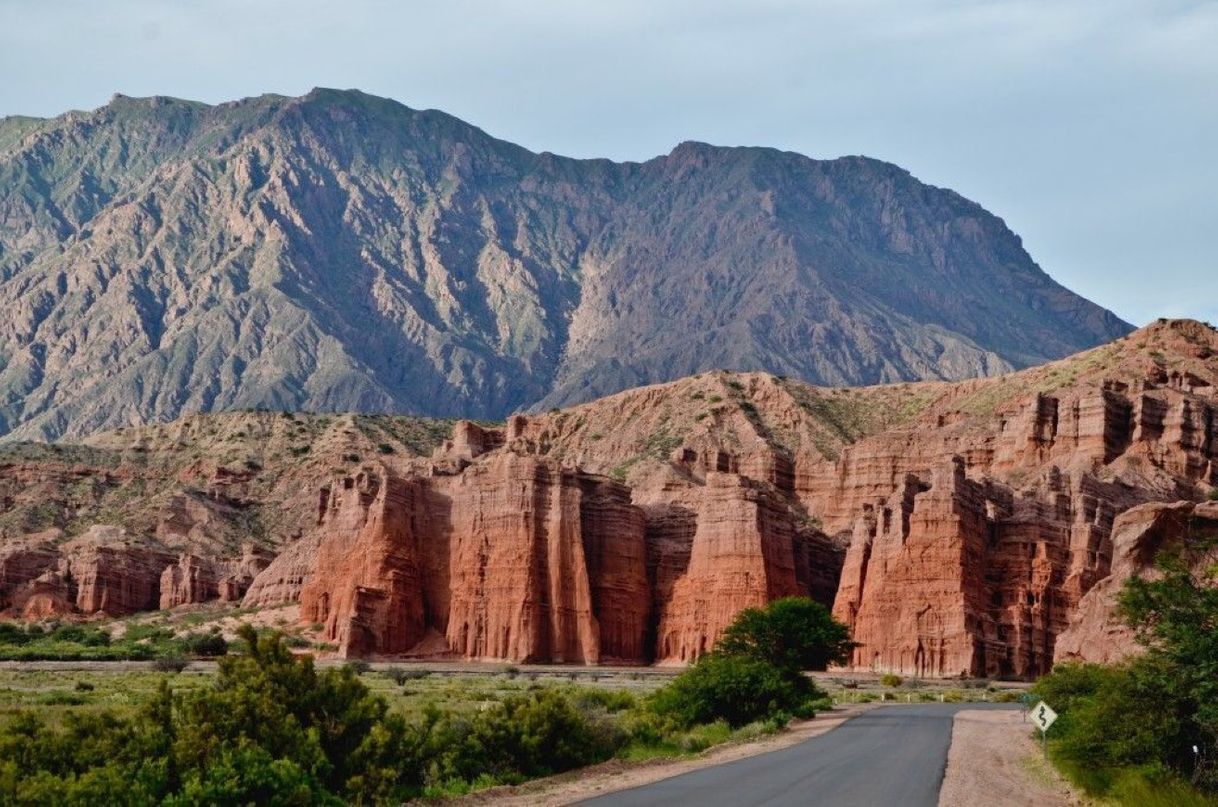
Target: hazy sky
x=1091 y=126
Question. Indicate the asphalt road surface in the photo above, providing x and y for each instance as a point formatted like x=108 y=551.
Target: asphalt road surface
x=893 y=755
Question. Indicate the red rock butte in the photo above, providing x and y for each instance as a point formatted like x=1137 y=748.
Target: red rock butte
x=977 y=528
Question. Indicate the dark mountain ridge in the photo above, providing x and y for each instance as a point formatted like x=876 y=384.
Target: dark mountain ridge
x=340 y=252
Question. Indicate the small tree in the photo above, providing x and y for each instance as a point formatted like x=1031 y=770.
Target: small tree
x=735 y=689
x=793 y=633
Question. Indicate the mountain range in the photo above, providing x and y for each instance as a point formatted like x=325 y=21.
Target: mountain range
x=343 y=252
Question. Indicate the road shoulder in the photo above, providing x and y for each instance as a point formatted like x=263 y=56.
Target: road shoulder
x=993 y=759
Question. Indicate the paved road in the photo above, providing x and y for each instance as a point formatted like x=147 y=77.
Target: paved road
x=894 y=755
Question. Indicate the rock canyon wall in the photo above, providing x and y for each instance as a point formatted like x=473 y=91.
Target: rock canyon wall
x=978 y=528
x=511 y=556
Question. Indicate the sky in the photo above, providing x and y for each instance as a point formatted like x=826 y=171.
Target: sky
x=1089 y=126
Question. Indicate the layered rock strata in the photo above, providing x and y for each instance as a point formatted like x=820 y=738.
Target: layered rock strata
x=518 y=558
x=979 y=528
x=1095 y=632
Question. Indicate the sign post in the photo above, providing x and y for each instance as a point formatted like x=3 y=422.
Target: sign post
x=1043 y=717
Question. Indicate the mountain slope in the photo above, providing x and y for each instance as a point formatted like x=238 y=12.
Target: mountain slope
x=343 y=252
x=971 y=528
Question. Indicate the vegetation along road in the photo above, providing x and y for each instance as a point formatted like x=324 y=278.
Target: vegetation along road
x=893 y=755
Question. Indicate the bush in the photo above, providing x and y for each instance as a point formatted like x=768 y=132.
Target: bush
x=206 y=645
x=173 y=664
x=1172 y=688
x=735 y=689
x=891 y=680
x=78 y=634
x=792 y=633
x=270 y=729
x=536 y=734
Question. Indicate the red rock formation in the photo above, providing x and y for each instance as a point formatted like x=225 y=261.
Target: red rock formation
x=21 y=563
x=191 y=580
x=111 y=575
x=979 y=518
x=498 y=559
x=517 y=574
x=741 y=555
x=960 y=577
x=370 y=597
x=1095 y=632
x=280 y=583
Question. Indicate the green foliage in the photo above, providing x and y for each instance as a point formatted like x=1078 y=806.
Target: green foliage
x=74 y=642
x=756 y=670
x=1172 y=689
x=174 y=664
x=536 y=734
x=270 y=729
x=792 y=633
x=891 y=680
x=735 y=689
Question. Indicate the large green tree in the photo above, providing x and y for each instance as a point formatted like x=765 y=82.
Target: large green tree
x=793 y=633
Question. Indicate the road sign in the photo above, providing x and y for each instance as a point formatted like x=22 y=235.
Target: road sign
x=1043 y=716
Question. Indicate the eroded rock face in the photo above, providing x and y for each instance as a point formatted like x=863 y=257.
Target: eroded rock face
x=515 y=557
x=741 y=555
x=499 y=560
x=196 y=579
x=1095 y=633
x=368 y=590
x=978 y=570
x=979 y=528
x=284 y=577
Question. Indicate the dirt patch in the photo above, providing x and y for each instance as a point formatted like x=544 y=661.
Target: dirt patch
x=994 y=760
x=609 y=777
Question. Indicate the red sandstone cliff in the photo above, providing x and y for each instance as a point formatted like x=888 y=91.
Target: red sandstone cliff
x=979 y=528
x=1095 y=632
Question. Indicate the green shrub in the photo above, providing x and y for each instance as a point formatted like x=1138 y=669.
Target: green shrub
x=79 y=634
x=59 y=697
x=1172 y=689
x=535 y=734
x=13 y=635
x=792 y=633
x=206 y=645
x=173 y=664
x=270 y=729
x=735 y=689
x=891 y=680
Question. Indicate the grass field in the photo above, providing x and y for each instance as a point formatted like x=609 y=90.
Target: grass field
x=409 y=689
x=54 y=690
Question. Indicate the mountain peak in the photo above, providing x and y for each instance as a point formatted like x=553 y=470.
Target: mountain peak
x=341 y=251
